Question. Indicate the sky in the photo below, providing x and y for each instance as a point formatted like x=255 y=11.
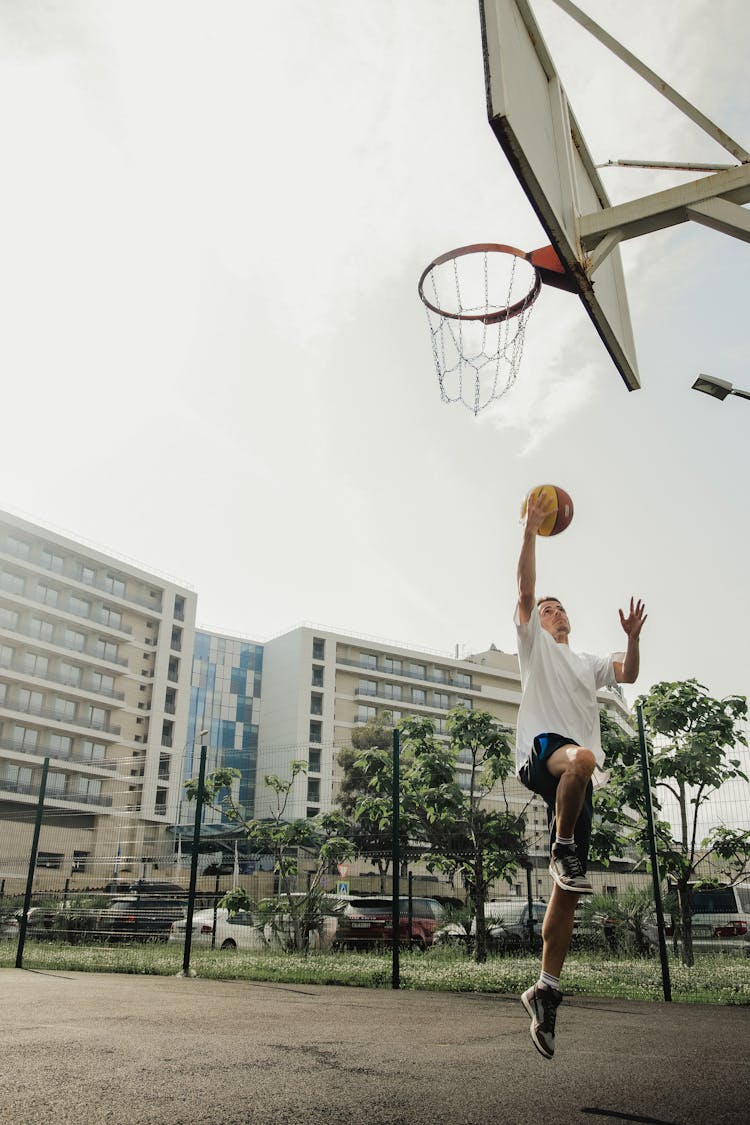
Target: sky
x=215 y=363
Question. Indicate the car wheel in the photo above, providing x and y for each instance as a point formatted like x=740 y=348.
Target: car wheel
x=229 y=945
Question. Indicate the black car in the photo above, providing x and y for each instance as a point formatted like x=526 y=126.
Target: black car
x=141 y=918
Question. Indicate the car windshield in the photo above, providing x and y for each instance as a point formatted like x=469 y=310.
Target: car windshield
x=720 y=901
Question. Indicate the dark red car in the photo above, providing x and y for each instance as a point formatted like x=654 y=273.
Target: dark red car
x=366 y=922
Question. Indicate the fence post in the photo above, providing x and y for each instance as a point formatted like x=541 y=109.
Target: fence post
x=32 y=865
x=194 y=864
x=396 y=862
x=646 y=775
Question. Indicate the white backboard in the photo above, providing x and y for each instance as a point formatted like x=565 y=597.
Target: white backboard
x=532 y=119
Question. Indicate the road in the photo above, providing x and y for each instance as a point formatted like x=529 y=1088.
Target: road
x=88 y=1048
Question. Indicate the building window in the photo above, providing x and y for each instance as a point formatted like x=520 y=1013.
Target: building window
x=87 y=575
x=438 y=675
x=103 y=683
x=55 y=783
x=417 y=671
x=60 y=745
x=173 y=671
x=367 y=687
x=176 y=642
x=317 y=676
x=18 y=547
x=179 y=607
x=24 y=738
x=70 y=673
x=6 y=656
x=313 y=761
x=97 y=717
x=80 y=862
x=313 y=790
x=164 y=764
x=42 y=630
x=418 y=696
x=30 y=701
x=392 y=665
x=392 y=691
x=52 y=561
x=316 y=703
x=8 y=619
x=35 y=665
x=467 y=703
x=64 y=709
x=111 y=617
x=366 y=714
x=105 y=650
x=440 y=699
x=11 y=582
x=47 y=594
x=93 y=751
x=52 y=860
x=86 y=788
x=114 y=586
x=319 y=648
x=3 y=694
x=368 y=660
x=80 y=606
x=75 y=640
x=316 y=731
x=17 y=778
x=462 y=680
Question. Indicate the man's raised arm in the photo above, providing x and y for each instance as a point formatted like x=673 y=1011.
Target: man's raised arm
x=537 y=509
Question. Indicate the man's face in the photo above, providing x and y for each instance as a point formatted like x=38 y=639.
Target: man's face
x=554 y=619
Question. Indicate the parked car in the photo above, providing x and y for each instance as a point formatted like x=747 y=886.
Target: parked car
x=279 y=930
x=720 y=921
x=233 y=931
x=368 y=922
x=140 y=919
x=508 y=923
x=9 y=926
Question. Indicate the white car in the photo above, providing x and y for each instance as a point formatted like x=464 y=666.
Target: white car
x=233 y=932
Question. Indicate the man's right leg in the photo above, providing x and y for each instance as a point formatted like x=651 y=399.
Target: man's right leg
x=573 y=767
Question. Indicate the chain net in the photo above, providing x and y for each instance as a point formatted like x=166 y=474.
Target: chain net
x=478 y=362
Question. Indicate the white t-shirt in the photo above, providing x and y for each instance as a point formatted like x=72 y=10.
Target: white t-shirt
x=559 y=691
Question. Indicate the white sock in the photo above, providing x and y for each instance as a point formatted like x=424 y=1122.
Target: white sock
x=546 y=980
x=569 y=840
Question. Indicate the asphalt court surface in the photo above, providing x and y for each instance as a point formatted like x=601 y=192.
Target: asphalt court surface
x=85 y=1047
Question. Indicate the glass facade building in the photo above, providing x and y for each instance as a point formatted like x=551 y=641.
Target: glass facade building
x=225 y=693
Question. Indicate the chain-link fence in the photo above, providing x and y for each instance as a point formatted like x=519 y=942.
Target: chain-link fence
x=78 y=877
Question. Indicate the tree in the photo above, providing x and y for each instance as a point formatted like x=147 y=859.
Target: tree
x=366 y=768
x=284 y=839
x=466 y=836
x=692 y=736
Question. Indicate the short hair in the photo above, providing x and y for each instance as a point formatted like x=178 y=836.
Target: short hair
x=548 y=598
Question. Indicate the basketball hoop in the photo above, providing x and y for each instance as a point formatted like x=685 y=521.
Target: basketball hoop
x=478 y=300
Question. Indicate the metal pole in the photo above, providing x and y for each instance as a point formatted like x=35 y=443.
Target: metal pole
x=216 y=908
x=411 y=908
x=194 y=864
x=530 y=900
x=32 y=865
x=646 y=774
x=396 y=861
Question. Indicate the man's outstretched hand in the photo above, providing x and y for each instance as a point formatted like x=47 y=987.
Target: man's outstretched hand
x=635 y=620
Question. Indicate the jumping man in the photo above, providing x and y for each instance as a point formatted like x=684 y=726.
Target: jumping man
x=559 y=752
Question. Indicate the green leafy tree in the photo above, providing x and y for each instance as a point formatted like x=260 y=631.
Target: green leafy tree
x=321 y=837
x=467 y=836
x=692 y=737
x=365 y=772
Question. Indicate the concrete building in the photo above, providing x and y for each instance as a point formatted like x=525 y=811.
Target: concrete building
x=319 y=685
x=95 y=660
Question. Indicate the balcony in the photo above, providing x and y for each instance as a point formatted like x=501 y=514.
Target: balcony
x=443 y=680
x=31 y=789
x=77 y=757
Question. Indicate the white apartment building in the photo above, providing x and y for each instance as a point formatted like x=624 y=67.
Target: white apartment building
x=319 y=685
x=95 y=661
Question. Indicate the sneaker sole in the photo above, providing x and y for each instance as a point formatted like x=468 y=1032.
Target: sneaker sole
x=587 y=890
x=532 y=1030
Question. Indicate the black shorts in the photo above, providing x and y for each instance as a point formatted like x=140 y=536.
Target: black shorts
x=536 y=777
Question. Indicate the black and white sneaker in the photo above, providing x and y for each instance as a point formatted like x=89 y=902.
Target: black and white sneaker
x=565 y=868
x=542 y=1005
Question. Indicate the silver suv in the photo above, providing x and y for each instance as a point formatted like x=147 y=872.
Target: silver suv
x=508 y=923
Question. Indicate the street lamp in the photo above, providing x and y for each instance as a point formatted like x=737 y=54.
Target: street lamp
x=717 y=388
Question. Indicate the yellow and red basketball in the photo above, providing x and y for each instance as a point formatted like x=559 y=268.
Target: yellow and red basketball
x=562 y=508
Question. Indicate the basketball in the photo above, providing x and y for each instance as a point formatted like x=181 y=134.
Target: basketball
x=562 y=512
